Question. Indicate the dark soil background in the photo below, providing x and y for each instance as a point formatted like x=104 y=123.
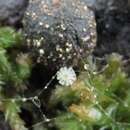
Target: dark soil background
x=113 y=27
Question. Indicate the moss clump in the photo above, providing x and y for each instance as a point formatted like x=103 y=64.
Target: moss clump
x=97 y=100
x=14 y=71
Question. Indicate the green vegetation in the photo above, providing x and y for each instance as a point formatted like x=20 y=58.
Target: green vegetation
x=98 y=100
x=14 y=70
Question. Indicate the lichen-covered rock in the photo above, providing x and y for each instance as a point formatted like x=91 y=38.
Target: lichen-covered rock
x=59 y=31
x=12 y=11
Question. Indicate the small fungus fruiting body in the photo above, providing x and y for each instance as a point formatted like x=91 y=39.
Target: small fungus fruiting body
x=66 y=76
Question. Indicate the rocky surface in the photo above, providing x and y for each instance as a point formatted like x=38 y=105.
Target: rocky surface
x=113 y=26
x=60 y=32
x=107 y=5
x=3 y=124
x=12 y=11
x=112 y=19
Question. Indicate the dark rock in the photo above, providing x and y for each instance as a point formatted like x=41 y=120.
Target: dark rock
x=113 y=17
x=108 y=4
x=60 y=32
x=3 y=124
x=111 y=5
x=123 y=41
x=12 y=11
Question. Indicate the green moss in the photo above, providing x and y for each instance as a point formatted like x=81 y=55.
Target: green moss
x=104 y=93
x=13 y=73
